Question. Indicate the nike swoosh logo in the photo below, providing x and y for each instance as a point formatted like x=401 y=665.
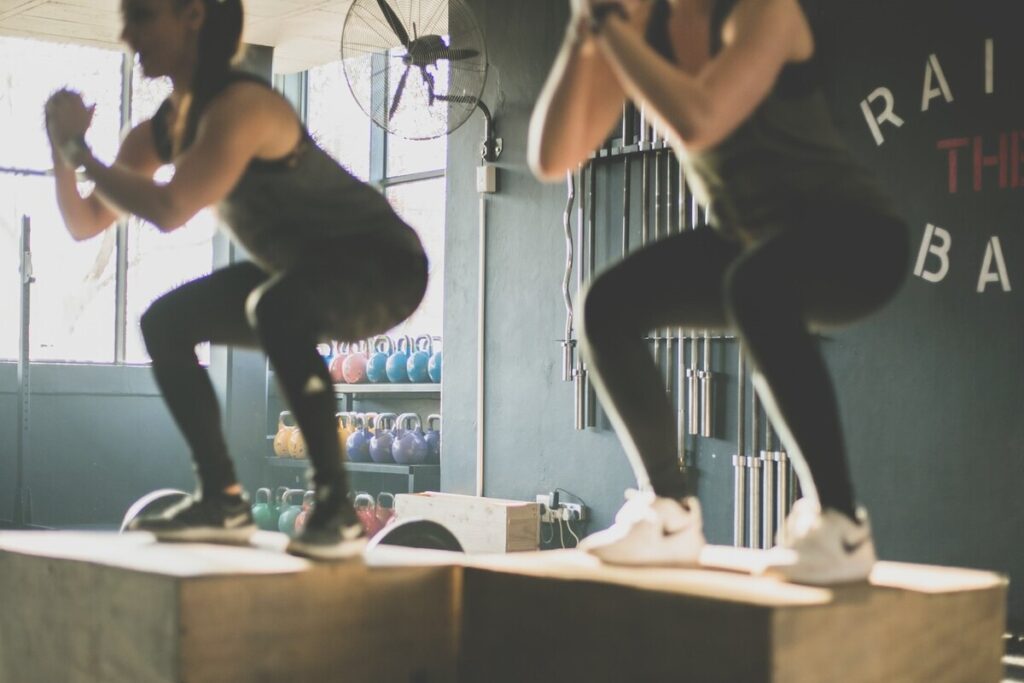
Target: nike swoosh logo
x=237 y=520
x=851 y=547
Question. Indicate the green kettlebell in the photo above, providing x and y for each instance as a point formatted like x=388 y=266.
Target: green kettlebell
x=289 y=511
x=275 y=506
x=261 y=513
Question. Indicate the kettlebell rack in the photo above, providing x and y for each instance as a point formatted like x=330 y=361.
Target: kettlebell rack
x=413 y=478
x=666 y=205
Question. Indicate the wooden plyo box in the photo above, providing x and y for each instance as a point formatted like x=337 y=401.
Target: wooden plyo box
x=561 y=616
x=103 y=608
x=482 y=525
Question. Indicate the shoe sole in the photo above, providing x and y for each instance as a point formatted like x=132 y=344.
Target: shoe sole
x=345 y=550
x=237 y=536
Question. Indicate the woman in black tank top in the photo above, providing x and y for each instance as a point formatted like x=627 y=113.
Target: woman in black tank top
x=237 y=144
x=801 y=237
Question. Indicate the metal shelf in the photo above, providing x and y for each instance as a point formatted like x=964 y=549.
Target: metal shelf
x=370 y=467
x=423 y=389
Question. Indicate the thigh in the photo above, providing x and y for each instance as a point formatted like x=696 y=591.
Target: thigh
x=212 y=308
x=349 y=291
x=678 y=280
x=838 y=264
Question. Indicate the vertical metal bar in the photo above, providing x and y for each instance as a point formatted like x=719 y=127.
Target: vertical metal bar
x=579 y=379
x=568 y=343
x=121 y=260
x=588 y=254
x=755 y=481
x=627 y=133
x=739 y=460
x=22 y=515
x=768 y=499
x=481 y=345
x=657 y=230
x=782 y=504
x=681 y=346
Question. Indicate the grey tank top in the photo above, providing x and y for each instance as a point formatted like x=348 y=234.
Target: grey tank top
x=785 y=156
x=304 y=205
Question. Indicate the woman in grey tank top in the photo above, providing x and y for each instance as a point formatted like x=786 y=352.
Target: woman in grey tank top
x=330 y=259
x=801 y=237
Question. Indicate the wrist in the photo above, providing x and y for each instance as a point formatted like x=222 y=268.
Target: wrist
x=74 y=152
x=600 y=15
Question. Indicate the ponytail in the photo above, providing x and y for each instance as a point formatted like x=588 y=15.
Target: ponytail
x=220 y=40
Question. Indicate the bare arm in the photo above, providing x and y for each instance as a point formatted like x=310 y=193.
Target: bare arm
x=760 y=37
x=88 y=216
x=580 y=102
x=230 y=132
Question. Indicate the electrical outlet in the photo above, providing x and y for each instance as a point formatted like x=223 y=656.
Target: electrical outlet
x=547 y=515
x=573 y=512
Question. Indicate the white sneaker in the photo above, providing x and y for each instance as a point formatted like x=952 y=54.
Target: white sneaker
x=650 y=530
x=822 y=548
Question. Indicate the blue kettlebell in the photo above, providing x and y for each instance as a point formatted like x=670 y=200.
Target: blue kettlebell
x=417 y=364
x=291 y=509
x=434 y=368
x=433 y=439
x=380 y=443
x=358 y=444
x=396 y=367
x=377 y=365
x=409 y=446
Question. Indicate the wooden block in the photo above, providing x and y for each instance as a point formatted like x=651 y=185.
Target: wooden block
x=561 y=615
x=482 y=525
x=103 y=608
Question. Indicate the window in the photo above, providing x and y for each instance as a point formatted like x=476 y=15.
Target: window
x=412 y=171
x=76 y=310
x=73 y=305
x=159 y=262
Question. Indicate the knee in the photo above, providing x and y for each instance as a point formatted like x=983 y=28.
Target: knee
x=158 y=329
x=260 y=307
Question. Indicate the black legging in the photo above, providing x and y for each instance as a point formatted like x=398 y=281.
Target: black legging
x=344 y=293
x=831 y=266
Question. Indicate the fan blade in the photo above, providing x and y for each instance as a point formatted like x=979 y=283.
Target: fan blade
x=429 y=80
x=398 y=93
x=394 y=22
x=461 y=99
x=453 y=54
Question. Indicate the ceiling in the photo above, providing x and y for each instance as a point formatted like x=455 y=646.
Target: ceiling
x=304 y=33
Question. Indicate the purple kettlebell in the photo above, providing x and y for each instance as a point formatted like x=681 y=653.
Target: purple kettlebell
x=409 y=446
x=380 y=444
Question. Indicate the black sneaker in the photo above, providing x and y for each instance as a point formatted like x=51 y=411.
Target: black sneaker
x=210 y=520
x=332 y=532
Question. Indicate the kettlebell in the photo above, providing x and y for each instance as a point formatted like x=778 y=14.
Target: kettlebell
x=343 y=422
x=307 y=507
x=409 y=446
x=297 y=444
x=377 y=365
x=433 y=439
x=385 y=513
x=337 y=366
x=353 y=368
x=434 y=366
x=418 y=361
x=366 y=512
x=284 y=435
x=289 y=511
x=380 y=443
x=261 y=512
x=276 y=503
x=396 y=368
x=358 y=443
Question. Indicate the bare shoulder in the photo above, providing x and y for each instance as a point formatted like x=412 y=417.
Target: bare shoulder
x=771 y=21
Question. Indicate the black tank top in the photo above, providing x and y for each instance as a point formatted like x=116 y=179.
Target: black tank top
x=284 y=210
x=786 y=155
